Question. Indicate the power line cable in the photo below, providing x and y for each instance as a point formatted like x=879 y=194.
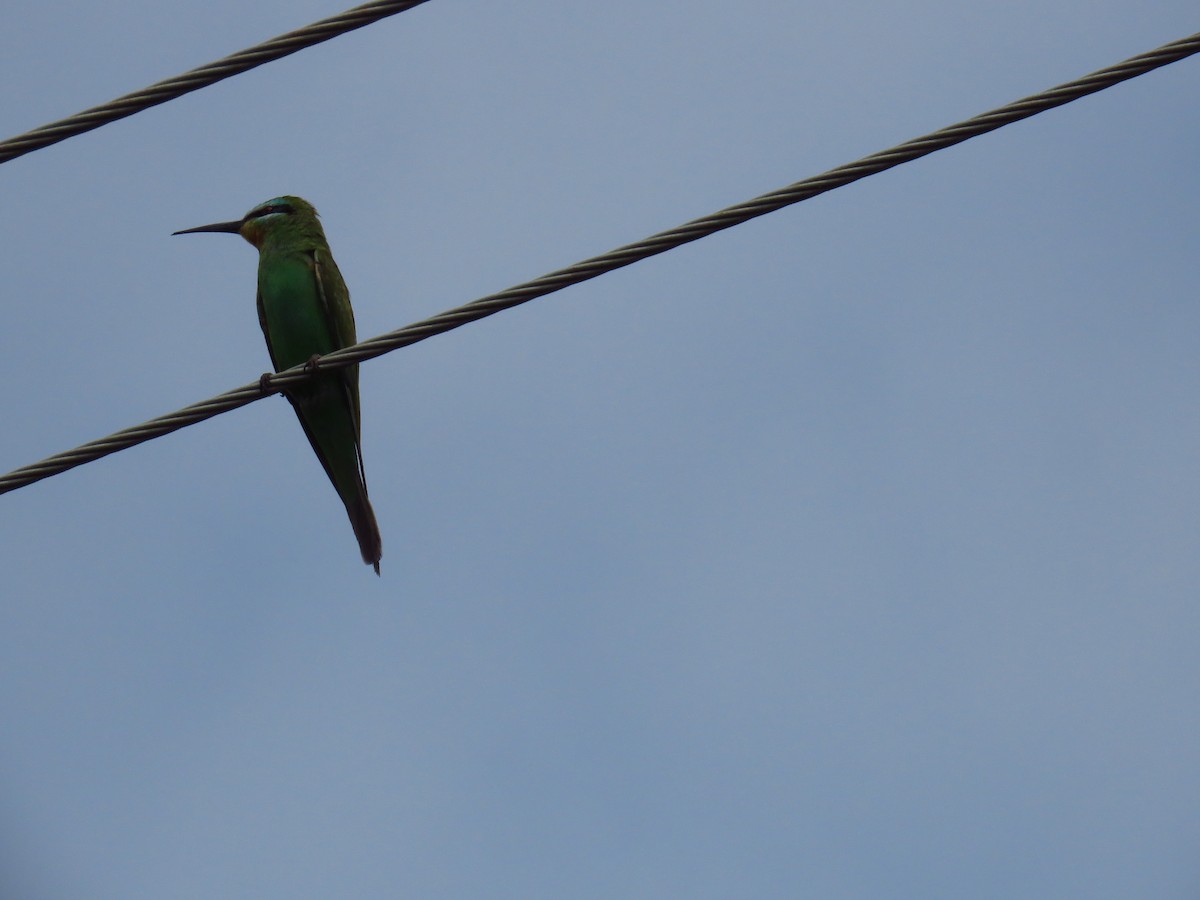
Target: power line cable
x=170 y=88
x=614 y=259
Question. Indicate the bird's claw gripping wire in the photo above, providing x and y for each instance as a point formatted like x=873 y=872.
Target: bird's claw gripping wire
x=265 y=385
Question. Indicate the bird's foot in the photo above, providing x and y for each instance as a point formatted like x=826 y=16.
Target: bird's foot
x=314 y=363
x=264 y=384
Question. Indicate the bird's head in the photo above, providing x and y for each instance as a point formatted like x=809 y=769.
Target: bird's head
x=282 y=216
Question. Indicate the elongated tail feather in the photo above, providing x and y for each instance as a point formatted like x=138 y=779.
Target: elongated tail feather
x=330 y=426
x=362 y=519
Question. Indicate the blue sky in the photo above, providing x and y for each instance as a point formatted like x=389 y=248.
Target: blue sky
x=850 y=553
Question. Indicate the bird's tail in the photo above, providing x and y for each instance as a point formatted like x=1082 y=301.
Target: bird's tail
x=362 y=519
x=325 y=412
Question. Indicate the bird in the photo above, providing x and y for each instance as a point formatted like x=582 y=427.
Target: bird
x=304 y=311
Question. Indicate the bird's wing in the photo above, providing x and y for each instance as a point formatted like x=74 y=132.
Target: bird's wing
x=334 y=297
x=339 y=315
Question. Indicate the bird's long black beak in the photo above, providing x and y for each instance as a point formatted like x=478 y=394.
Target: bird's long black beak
x=223 y=227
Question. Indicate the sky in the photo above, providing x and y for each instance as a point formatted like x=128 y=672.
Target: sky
x=848 y=553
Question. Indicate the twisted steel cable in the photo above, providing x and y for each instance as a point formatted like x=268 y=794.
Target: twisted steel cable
x=170 y=88
x=614 y=259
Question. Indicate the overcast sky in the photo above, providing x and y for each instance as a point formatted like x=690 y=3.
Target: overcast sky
x=849 y=553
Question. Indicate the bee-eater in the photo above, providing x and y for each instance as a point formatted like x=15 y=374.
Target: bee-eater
x=304 y=310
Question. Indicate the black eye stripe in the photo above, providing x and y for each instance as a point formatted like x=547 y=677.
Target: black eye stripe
x=272 y=208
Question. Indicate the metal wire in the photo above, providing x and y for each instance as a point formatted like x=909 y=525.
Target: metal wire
x=170 y=88
x=614 y=259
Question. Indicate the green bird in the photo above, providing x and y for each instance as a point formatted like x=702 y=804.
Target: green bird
x=304 y=310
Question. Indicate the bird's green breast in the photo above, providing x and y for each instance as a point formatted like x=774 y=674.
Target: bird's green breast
x=294 y=318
